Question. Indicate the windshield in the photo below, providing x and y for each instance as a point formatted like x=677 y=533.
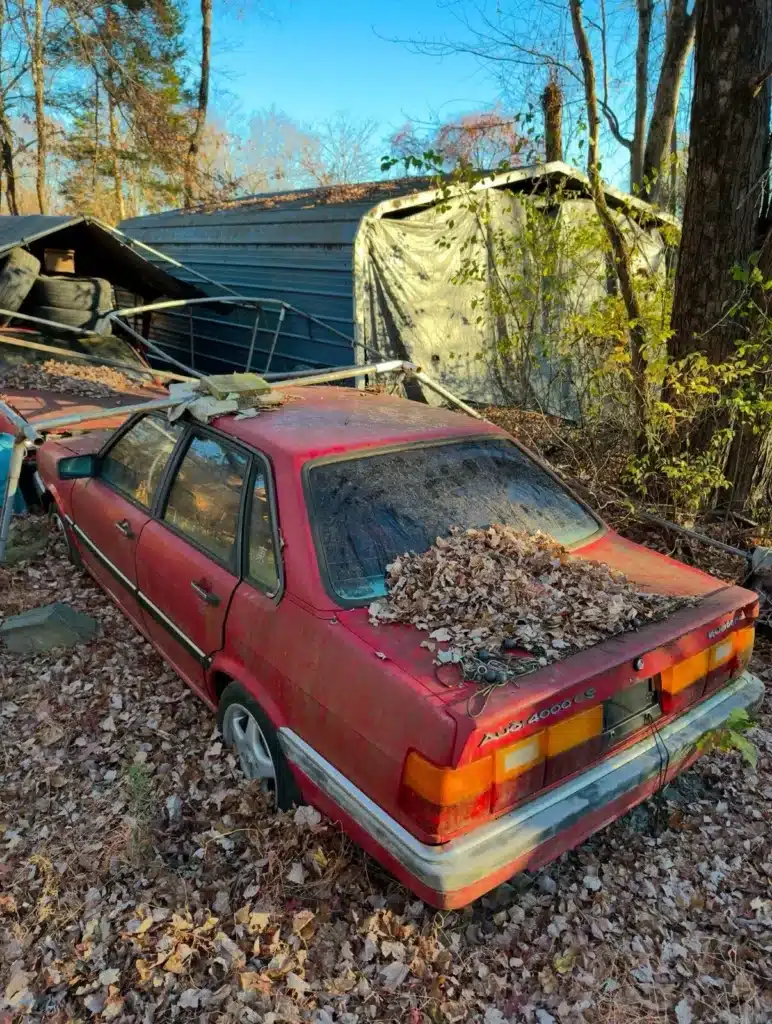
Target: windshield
x=368 y=510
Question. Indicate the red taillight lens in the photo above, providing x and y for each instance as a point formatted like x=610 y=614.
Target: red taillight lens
x=690 y=679
x=445 y=800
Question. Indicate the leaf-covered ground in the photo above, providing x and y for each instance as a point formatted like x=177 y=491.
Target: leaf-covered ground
x=142 y=879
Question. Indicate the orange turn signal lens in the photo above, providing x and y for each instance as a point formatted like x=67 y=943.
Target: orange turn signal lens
x=686 y=672
x=575 y=730
x=447 y=786
x=743 y=645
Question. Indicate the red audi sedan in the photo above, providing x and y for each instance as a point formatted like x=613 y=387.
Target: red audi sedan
x=247 y=551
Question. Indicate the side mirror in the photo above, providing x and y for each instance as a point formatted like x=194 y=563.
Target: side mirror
x=78 y=467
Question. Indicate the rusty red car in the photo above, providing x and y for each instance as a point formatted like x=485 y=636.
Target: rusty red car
x=248 y=550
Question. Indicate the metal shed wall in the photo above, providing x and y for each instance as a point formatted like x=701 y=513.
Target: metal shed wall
x=296 y=247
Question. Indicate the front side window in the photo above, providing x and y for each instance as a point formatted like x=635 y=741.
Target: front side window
x=262 y=563
x=368 y=510
x=205 y=496
x=135 y=463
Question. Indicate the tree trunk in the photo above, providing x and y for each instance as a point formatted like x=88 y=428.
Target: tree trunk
x=727 y=166
x=120 y=209
x=552 y=105
x=679 y=38
x=616 y=239
x=641 y=94
x=6 y=136
x=37 y=67
x=203 y=103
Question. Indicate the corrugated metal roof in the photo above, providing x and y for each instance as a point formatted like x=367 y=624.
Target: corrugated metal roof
x=104 y=252
x=359 y=198
x=21 y=230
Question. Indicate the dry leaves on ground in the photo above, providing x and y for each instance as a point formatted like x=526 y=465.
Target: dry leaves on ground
x=143 y=880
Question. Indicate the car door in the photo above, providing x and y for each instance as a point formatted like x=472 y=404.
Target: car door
x=189 y=557
x=111 y=510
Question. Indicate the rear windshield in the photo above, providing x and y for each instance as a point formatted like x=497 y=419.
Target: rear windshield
x=368 y=510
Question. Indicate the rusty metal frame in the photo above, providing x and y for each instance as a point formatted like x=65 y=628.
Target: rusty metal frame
x=32 y=434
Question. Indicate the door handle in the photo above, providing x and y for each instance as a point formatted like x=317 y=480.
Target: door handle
x=124 y=526
x=205 y=595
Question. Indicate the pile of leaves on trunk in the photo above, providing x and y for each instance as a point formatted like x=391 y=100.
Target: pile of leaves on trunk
x=69 y=378
x=143 y=879
x=501 y=589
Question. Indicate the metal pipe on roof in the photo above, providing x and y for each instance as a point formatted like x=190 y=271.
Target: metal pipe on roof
x=55 y=423
x=114 y=318
x=276 y=333
x=435 y=386
x=303 y=379
x=23 y=427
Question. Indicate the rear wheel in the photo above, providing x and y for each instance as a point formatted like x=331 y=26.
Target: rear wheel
x=247 y=728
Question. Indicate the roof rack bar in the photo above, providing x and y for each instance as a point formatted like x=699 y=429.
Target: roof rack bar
x=435 y=386
x=303 y=379
x=238 y=300
x=114 y=318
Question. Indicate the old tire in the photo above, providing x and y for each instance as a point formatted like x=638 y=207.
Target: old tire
x=87 y=320
x=18 y=272
x=89 y=294
x=246 y=727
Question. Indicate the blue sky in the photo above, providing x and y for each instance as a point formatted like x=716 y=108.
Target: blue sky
x=312 y=58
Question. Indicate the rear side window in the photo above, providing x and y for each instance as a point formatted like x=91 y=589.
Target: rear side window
x=134 y=464
x=368 y=510
x=262 y=567
x=205 y=496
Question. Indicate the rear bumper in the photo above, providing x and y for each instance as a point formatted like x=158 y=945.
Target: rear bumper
x=454 y=873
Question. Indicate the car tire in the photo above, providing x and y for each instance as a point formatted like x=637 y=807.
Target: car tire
x=18 y=272
x=85 y=294
x=246 y=727
x=83 y=318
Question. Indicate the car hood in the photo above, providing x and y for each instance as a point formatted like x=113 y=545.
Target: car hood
x=652 y=571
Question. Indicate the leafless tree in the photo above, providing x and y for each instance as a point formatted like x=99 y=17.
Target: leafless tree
x=519 y=41
x=616 y=239
x=341 y=151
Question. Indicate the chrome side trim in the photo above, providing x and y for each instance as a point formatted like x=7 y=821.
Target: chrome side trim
x=134 y=590
x=103 y=557
x=494 y=846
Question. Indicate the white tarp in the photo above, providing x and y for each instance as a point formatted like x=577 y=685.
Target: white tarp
x=426 y=284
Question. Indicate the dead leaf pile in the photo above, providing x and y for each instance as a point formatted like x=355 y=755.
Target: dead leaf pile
x=143 y=880
x=481 y=589
x=66 y=377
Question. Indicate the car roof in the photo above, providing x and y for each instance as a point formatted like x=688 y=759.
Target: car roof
x=324 y=420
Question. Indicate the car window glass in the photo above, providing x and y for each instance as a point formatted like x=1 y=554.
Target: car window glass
x=135 y=463
x=369 y=510
x=205 y=496
x=262 y=555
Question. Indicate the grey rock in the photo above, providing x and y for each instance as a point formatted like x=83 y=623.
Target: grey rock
x=42 y=629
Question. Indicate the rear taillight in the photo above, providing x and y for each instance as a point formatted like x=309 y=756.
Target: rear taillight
x=445 y=800
x=690 y=679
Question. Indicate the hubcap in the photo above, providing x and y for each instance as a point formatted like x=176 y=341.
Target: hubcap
x=241 y=730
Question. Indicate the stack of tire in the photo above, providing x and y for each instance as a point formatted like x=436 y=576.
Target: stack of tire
x=18 y=272
x=74 y=301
